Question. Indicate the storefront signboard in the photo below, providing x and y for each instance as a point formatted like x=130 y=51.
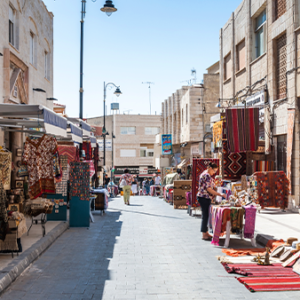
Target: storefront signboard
x=108 y=145
x=166 y=142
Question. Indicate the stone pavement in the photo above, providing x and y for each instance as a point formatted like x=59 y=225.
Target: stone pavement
x=146 y=250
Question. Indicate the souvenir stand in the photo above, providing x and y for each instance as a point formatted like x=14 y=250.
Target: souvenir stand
x=168 y=186
x=68 y=152
x=181 y=187
x=237 y=138
x=32 y=177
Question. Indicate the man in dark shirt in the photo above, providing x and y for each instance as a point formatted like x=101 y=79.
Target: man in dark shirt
x=106 y=181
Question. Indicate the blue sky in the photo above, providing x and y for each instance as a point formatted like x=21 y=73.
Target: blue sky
x=145 y=40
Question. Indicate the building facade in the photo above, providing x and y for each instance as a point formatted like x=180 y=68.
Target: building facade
x=259 y=55
x=26 y=43
x=133 y=145
x=186 y=116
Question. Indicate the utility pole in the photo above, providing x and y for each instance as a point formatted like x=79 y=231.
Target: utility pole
x=149 y=83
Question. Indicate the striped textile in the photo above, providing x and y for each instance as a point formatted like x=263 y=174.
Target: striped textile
x=242 y=129
x=69 y=151
x=262 y=166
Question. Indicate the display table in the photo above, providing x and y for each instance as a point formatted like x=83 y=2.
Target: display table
x=155 y=190
x=224 y=220
x=101 y=201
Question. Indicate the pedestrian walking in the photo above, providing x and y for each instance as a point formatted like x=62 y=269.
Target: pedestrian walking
x=144 y=186
x=147 y=187
x=205 y=195
x=134 y=185
x=157 y=179
x=106 y=181
x=125 y=184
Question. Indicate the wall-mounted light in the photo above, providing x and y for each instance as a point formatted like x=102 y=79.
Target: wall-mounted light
x=1 y=54
x=39 y=90
x=52 y=99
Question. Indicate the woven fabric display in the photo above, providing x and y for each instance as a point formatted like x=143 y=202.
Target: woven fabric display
x=69 y=151
x=242 y=129
x=38 y=155
x=199 y=166
x=272 y=189
x=217 y=134
x=5 y=169
x=80 y=180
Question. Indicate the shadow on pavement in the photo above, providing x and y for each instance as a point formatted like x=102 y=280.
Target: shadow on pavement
x=142 y=213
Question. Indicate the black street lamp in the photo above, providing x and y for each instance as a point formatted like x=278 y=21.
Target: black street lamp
x=118 y=93
x=52 y=99
x=1 y=54
x=108 y=8
x=39 y=90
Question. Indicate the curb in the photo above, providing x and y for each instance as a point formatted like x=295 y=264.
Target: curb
x=10 y=273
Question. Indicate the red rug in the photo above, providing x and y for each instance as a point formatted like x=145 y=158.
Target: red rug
x=272 y=189
x=69 y=151
x=242 y=129
x=199 y=166
x=263 y=284
x=254 y=270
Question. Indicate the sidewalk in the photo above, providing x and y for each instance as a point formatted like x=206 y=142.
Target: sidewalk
x=146 y=250
x=33 y=245
x=277 y=224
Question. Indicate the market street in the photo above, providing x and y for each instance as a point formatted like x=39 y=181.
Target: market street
x=146 y=250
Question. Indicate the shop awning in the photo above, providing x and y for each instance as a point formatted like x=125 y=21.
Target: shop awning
x=93 y=141
x=74 y=132
x=33 y=117
x=86 y=128
x=183 y=163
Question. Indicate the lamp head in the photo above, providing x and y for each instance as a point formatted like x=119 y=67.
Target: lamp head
x=118 y=92
x=53 y=99
x=108 y=8
x=1 y=54
x=39 y=90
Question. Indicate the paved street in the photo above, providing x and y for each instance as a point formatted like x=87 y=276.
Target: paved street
x=144 y=251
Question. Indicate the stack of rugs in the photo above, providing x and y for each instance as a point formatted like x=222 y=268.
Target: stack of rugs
x=281 y=274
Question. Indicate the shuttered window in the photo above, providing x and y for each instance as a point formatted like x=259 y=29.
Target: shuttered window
x=280 y=8
x=281 y=67
x=227 y=66
x=240 y=56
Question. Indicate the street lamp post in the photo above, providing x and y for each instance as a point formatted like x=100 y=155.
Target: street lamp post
x=108 y=8
x=104 y=132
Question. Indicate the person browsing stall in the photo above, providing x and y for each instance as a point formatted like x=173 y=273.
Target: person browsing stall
x=205 y=194
x=157 y=179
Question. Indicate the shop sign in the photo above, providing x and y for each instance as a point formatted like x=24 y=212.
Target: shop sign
x=108 y=145
x=144 y=170
x=195 y=149
x=134 y=170
x=114 y=106
x=166 y=143
x=255 y=100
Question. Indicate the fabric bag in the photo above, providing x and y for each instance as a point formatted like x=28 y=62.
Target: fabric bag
x=123 y=183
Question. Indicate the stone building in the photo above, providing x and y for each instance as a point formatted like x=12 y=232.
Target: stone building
x=186 y=116
x=133 y=143
x=259 y=59
x=26 y=43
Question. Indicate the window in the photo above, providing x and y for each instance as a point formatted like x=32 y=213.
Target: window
x=260 y=34
x=127 y=153
x=150 y=153
x=152 y=130
x=143 y=152
x=11 y=26
x=186 y=114
x=32 y=48
x=128 y=130
x=281 y=67
x=280 y=8
x=240 y=56
x=47 y=70
x=227 y=67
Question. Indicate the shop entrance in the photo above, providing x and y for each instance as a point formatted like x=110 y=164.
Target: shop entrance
x=281 y=152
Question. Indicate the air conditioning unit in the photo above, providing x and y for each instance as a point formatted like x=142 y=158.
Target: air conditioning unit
x=15 y=91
